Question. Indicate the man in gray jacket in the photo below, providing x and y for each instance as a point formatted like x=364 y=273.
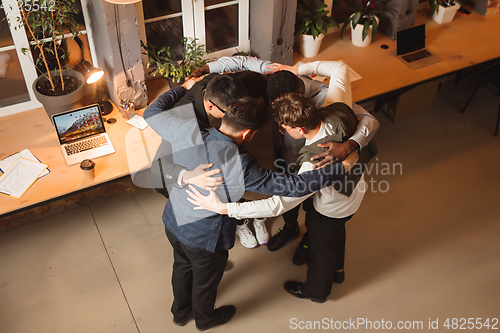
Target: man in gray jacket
x=201 y=239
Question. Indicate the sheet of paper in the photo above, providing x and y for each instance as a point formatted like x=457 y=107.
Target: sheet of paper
x=27 y=154
x=20 y=176
x=138 y=121
x=352 y=75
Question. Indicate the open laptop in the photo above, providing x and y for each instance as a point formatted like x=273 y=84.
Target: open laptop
x=411 y=48
x=82 y=134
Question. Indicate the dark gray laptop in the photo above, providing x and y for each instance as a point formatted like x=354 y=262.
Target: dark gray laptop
x=411 y=49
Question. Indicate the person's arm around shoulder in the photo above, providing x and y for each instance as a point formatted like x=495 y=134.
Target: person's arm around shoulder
x=231 y=64
x=340 y=84
x=273 y=206
x=367 y=127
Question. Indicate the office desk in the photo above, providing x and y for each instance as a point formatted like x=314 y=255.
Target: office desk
x=464 y=42
x=33 y=130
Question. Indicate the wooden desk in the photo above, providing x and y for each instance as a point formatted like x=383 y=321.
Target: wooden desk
x=33 y=130
x=464 y=42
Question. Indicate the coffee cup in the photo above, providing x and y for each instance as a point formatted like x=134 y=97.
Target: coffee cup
x=88 y=167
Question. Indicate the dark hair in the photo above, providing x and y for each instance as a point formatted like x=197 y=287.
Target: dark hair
x=296 y=110
x=255 y=83
x=224 y=89
x=282 y=82
x=245 y=113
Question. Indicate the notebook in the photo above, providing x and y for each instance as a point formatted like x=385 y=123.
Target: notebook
x=82 y=134
x=410 y=45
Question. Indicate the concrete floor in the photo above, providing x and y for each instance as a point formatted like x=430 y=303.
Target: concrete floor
x=424 y=247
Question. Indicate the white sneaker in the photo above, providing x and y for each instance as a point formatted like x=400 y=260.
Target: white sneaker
x=261 y=231
x=247 y=239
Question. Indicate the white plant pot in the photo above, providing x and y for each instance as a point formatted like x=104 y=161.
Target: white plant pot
x=445 y=14
x=357 y=35
x=308 y=46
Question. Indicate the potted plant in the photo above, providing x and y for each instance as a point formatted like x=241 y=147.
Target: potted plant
x=165 y=62
x=311 y=24
x=364 y=22
x=443 y=11
x=47 y=27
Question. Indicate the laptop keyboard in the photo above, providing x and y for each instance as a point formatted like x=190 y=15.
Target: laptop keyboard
x=78 y=147
x=416 y=56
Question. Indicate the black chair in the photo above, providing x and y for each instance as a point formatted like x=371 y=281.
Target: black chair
x=491 y=75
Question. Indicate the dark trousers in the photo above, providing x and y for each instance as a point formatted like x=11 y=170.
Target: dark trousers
x=290 y=217
x=195 y=278
x=326 y=243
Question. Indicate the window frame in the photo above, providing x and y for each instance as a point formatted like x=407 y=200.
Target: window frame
x=26 y=60
x=193 y=23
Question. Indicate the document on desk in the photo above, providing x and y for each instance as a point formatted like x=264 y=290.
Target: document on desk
x=138 y=121
x=353 y=76
x=20 y=176
x=27 y=154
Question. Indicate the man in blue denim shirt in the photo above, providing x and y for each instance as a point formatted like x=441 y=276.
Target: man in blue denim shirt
x=201 y=239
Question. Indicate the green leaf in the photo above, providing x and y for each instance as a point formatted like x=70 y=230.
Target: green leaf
x=366 y=27
x=355 y=19
x=374 y=27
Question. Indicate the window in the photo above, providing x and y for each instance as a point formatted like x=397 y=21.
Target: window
x=220 y=25
x=17 y=71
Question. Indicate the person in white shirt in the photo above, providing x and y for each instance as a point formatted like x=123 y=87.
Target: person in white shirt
x=331 y=208
x=282 y=79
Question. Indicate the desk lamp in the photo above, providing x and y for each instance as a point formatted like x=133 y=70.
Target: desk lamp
x=93 y=75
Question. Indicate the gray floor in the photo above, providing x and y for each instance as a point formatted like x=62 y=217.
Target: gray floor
x=424 y=246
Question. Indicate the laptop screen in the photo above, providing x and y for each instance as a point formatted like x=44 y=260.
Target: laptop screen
x=78 y=124
x=410 y=40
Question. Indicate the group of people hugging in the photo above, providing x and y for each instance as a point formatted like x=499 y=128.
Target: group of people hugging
x=323 y=144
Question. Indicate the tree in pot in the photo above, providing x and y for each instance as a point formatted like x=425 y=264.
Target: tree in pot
x=443 y=11
x=363 y=21
x=311 y=24
x=46 y=24
x=166 y=63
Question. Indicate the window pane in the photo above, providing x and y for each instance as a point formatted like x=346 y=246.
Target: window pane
x=156 y=8
x=5 y=37
x=221 y=27
x=12 y=84
x=166 y=33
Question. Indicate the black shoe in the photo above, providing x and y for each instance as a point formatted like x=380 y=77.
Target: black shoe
x=301 y=255
x=284 y=235
x=221 y=316
x=338 y=277
x=298 y=290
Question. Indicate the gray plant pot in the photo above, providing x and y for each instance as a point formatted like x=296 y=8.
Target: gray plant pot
x=57 y=104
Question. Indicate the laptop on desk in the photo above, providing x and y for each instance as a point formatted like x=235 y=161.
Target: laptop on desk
x=410 y=45
x=82 y=134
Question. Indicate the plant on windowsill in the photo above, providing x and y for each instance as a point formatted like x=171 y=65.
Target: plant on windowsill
x=47 y=26
x=364 y=20
x=311 y=23
x=167 y=64
x=443 y=11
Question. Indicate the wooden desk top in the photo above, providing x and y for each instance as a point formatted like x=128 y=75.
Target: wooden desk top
x=33 y=130
x=466 y=41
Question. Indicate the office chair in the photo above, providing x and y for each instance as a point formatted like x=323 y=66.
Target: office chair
x=491 y=75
